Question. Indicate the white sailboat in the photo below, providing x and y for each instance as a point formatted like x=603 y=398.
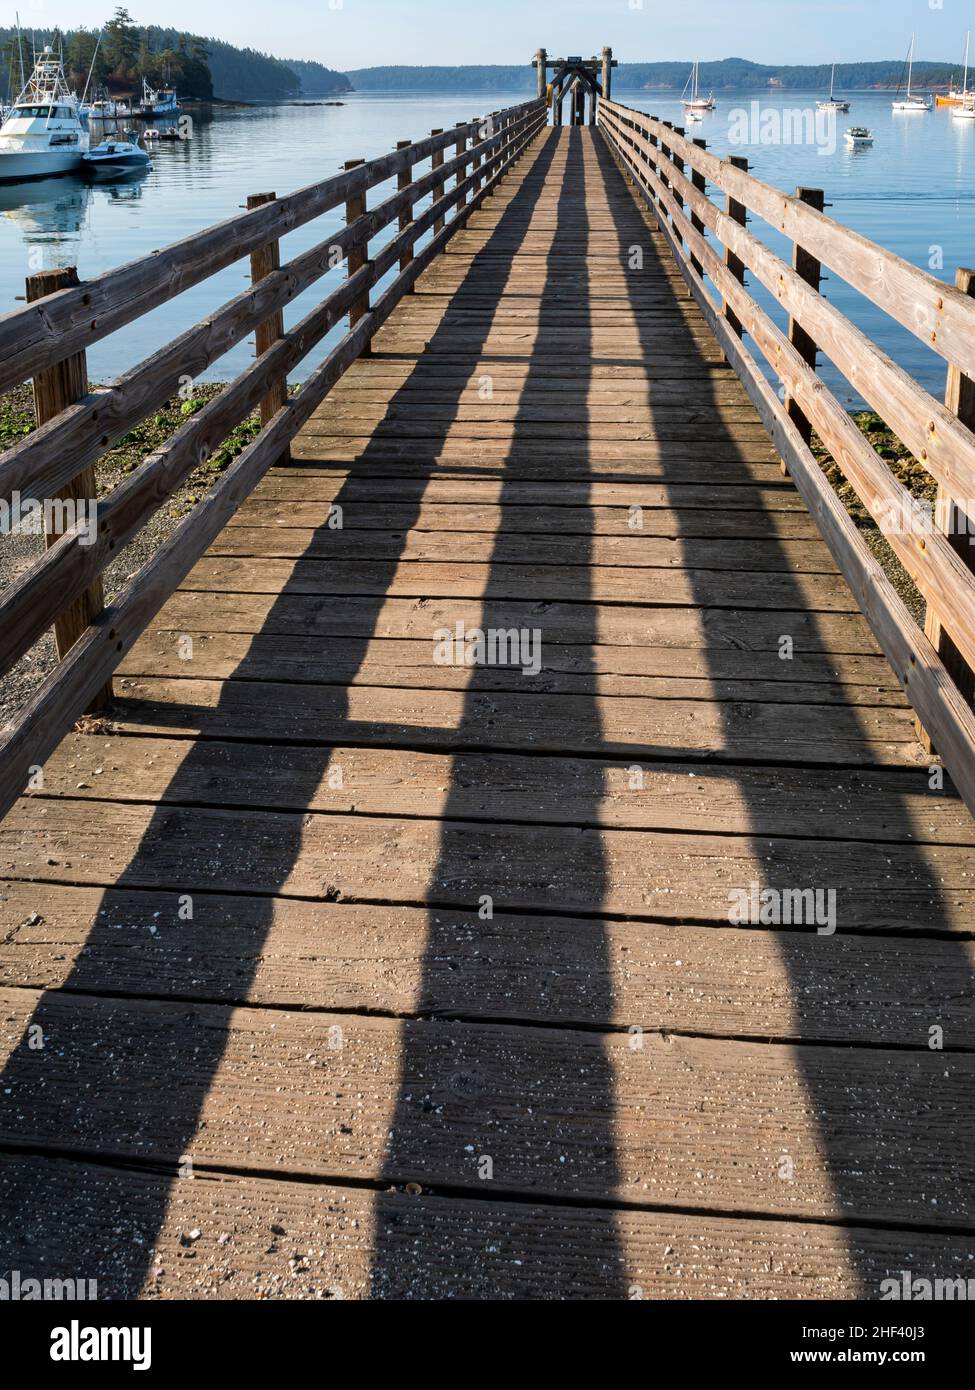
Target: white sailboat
x=831 y=103
x=695 y=102
x=910 y=101
x=966 y=111
x=42 y=134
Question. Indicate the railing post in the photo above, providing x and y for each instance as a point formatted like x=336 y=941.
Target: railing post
x=810 y=270
x=679 y=166
x=476 y=160
x=459 y=149
x=403 y=180
x=436 y=162
x=954 y=518
x=701 y=184
x=358 y=255
x=735 y=266
x=264 y=261
x=55 y=388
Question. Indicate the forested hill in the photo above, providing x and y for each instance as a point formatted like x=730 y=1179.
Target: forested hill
x=727 y=75
x=199 y=67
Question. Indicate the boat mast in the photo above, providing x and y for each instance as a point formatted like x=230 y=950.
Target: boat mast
x=910 y=68
x=832 y=79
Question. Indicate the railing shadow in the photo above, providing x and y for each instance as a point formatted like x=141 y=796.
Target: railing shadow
x=514 y=1109
x=133 y=1078
x=858 y=1130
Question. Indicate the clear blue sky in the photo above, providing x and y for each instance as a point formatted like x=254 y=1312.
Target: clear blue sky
x=360 y=33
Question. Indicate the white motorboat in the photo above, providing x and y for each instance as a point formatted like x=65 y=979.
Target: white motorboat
x=695 y=102
x=43 y=133
x=964 y=113
x=832 y=103
x=117 y=156
x=910 y=101
x=858 y=135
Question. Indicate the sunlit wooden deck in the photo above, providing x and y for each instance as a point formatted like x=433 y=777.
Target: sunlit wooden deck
x=332 y=971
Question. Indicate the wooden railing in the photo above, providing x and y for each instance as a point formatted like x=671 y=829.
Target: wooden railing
x=47 y=340
x=672 y=173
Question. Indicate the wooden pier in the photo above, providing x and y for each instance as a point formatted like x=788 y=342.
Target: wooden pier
x=336 y=963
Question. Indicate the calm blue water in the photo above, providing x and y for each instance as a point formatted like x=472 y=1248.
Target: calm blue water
x=914 y=190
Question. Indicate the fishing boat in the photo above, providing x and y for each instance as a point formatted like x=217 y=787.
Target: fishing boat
x=832 y=103
x=42 y=134
x=910 y=101
x=695 y=102
x=157 y=103
x=858 y=135
x=113 y=157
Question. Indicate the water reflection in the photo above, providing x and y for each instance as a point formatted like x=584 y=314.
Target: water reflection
x=51 y=214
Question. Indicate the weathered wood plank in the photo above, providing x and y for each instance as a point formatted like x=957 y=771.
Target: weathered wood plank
x=390 y=1245
x=576 y=1114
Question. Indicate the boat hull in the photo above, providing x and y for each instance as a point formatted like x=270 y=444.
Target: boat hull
x=18 y=166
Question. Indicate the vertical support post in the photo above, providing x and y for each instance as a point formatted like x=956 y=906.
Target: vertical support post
x=738 y=213
x=578 y=103
x=592 y=105
x=809 y=268
x=436 y=162
x=608 y=74
x=679 y=166
x=356 y=207
x=264 y=261
x=459 y=149
x=403 y=180
x=476 y=161
x=665 y=160
x=951 y=517
x=55 y=388
x=700 y=183
x=541 y=60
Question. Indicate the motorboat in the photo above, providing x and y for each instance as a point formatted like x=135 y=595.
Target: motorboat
x=116 y=156
x=858 y=135
x=42 y=134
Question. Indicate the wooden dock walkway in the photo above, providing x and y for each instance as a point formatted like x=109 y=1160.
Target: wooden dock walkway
x=332 y=970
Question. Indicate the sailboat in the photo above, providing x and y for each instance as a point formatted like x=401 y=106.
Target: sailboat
x=831 y=103
x=910 y=101
x=695 y=102
x=965 y=111
x=956 y=96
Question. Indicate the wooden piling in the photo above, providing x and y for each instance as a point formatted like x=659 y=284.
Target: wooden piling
x=700 y=183
x=56 y=388
x=957 y=520
x=459 y=149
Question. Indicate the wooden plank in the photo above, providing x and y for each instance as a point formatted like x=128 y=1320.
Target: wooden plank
x=662 y=876
x=752 y=983
x=819 y=638
x=262 y=1087
x=548 y=583
x=873 y=805
x=390 y=1245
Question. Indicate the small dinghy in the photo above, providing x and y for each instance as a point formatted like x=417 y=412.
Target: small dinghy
x=116 y=156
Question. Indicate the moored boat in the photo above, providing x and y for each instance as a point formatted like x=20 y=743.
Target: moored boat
x=695 y=102
x=910 y=101
x=832 y=103
x=42 y=134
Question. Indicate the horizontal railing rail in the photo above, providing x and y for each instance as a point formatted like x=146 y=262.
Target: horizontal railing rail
x=53 y=332
x=672 y=173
